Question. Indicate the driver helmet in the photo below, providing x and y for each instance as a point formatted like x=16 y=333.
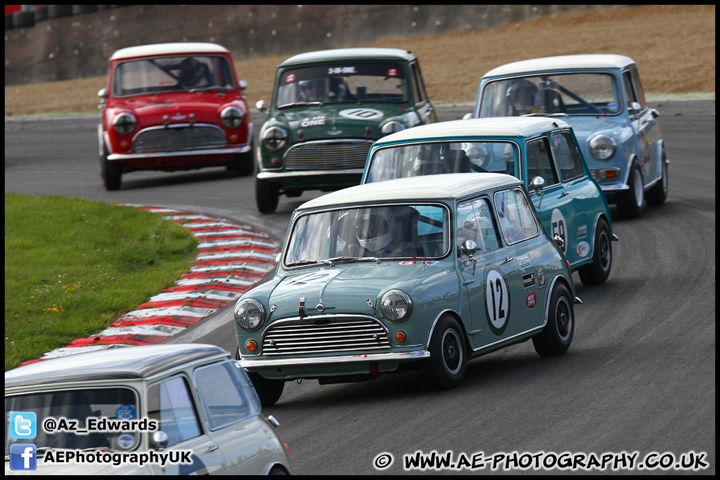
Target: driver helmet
x=373 y=228
x=190 y=72
x=521 y=87
x=313 y=89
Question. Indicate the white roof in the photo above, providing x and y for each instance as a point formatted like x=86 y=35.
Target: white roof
x=562 y=62
x=476 y=127
x=349 y=54
x=422 y=188
x=168 y=49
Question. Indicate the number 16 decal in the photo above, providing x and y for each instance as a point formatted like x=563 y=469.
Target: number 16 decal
x=497 y=300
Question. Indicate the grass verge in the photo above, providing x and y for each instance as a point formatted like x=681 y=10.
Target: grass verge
x=73 y=266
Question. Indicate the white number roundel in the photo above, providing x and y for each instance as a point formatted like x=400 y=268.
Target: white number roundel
x=361 y=114
x=496 y=298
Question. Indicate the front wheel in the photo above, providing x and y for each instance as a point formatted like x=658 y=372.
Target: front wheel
x=658 y=193
x=598 y=271
x=445 y=368
x=242 y=165
x=266 y=196
x=111 y=172
x=558 y=333
x=269 y=391
x=632 y=202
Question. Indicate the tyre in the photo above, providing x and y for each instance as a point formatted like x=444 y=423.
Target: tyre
x=632 y=202
x=445 y=368
x=266 y=196
x=269 y=391
x=658 y=193
x=111 y=172
x=558 y=333
x=24 y=19
x=59 y=11
x=277 y=471
x=598 y=271
x=242 y=165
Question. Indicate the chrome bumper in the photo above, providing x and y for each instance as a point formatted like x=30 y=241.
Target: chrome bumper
x=309 y=173
x=369 y=357
x=178 y=153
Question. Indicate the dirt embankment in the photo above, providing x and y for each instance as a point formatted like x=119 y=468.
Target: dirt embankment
x=674 y=46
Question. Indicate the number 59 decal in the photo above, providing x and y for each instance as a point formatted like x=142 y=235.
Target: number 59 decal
x=497 y=300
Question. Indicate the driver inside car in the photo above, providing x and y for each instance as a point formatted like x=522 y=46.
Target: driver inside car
x=193 y=73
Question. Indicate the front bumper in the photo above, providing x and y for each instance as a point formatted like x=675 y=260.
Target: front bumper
x=315 y=367
x=126 y=157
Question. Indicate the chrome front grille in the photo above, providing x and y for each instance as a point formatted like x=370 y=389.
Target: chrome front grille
x=325 y=334
x=179 y=137
x=334 y=155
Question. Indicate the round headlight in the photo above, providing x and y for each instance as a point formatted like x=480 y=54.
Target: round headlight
x=249 y=314
x=396 y=305
x=392 y=127
x=232 y=117
x=275 y=138
x=602 y=146
x=124 y=123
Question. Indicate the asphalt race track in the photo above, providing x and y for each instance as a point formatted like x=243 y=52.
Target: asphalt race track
x=639 y=378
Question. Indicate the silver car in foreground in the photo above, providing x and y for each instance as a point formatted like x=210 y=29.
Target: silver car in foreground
x=158 y=410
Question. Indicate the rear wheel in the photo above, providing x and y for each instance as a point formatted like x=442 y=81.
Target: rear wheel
x=445 y=368
x=558 y=333
x=598 y=271
x=632 y=202
x=266 y=196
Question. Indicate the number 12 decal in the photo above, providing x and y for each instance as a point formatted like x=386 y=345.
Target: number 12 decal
x=497 y=301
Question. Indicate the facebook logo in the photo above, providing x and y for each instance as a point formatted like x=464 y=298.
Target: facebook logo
x=23 y=425
x=23 y=456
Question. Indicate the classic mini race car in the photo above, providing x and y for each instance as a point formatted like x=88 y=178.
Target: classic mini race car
x=139 y=410
x=602 y=97
x=173 y=106
x=542 y=152
x=424 y=273
x=327 y=108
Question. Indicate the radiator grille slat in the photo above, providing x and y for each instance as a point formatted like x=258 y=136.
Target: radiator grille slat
x=182 y=138
x=328 y=156
x=338 y=335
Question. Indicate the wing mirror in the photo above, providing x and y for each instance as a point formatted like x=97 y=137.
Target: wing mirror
x=159 y=440
x=243 y=86
x=103 y=96
x=262 y=106
x=538 y=183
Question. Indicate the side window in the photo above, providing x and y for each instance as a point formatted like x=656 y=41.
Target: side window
x=539 y=163
x=639 y=92
x=225 y=394
x=475 y=222
x=515 y=216
x=567 y=157
x=629 y=92
x=171 y=404
x=419 y=88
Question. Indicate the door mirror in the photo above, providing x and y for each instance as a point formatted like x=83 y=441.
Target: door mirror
x=538 y=183
x=262 y=106
x=469 y=247
x=159 y=440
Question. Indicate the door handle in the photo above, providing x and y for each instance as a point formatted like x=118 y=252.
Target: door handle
x=564 y=194
x=212 y=448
